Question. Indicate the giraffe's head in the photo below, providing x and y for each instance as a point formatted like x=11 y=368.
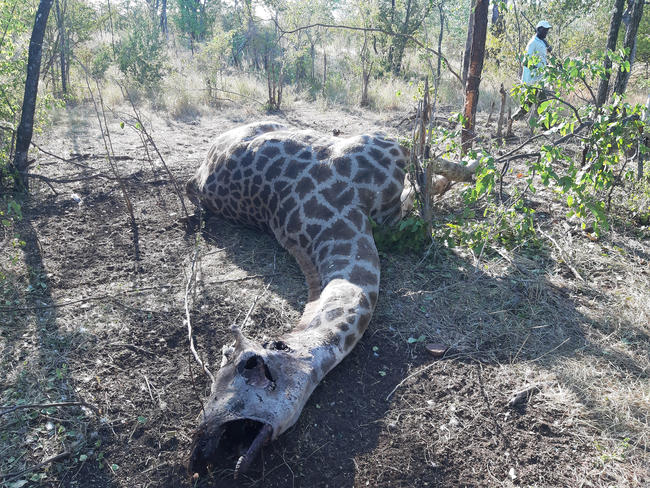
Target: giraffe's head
x=257 y=394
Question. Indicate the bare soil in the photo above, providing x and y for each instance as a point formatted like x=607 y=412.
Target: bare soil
x=83 y=320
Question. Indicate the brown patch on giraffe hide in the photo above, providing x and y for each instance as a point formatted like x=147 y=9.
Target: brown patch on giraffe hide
x=315 y=210
x=339 y=195
x=270 y=151
x=343 y=166
x=363 y=277
x=323 y=153
x=364 y=320
x=381 y=142
x=304 y=186
x=342 y=249
x=322 y=254
x=291 y=147
x=321 y=172
x=333 y=314
x=306 y=155
x=350 y=341
x=313 y=230
x=366 y=250
x=338 y=231
x=272 y=171
x=363 y=302
x=294 y=223
x=394 y=151
x=294 y=168
x=367 y=198
x=344 y=327
x=315 y=322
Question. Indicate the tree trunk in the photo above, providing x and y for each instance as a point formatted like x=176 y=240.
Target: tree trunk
x=615 y=24
x=26 y=127
x=163 y=19
x=468 y=41
x=502 y=110
x=477 y=55
x=62 y=46
x=622 y=77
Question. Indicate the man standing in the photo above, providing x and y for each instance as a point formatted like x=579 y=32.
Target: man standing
x=537 y=49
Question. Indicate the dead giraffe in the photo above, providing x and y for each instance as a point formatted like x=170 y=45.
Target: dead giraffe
x=315 y=194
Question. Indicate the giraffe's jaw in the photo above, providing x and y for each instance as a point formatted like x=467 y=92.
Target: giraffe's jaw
x=257 y=395
x=213 y=443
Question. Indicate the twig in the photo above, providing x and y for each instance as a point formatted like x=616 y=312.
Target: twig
x=190 y=281
x=11 y=476
x=13 y=408
x=418 y=372
x=252 y=307
x=143 y=129
x=114 y=297
x=563 y=255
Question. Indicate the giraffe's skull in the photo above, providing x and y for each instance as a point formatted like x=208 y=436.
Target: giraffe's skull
x=257 y=394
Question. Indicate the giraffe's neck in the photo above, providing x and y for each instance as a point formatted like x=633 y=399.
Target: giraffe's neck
x=315 y=195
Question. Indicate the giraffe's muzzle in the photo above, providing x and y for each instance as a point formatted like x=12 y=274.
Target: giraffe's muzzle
x=242 y=439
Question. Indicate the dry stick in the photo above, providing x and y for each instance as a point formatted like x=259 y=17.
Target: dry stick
x=110 y=154
x=190 y=281
x=562 y=254
x=48 y=405
x=11 y=476
x=502 y=109
x=113 y=297
x=151 y=141
x=418 y=372
x=252 y=307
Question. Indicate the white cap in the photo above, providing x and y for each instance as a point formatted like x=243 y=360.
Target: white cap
x=543 y=23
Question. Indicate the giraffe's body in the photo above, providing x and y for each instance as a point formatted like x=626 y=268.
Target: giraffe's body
x=315 y=194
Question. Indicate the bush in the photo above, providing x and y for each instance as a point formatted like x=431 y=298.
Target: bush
x=141 y=53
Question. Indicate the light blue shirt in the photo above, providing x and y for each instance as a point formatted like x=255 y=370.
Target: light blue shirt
x=536 y=47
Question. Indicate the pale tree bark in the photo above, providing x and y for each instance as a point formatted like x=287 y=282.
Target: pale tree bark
x=614 y=26
x=26 y=126
x=62 y=47
x=636 y=13
x=468 y=41
x=477 y=55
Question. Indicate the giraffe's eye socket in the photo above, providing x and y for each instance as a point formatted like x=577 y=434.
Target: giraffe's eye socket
x=277 y=346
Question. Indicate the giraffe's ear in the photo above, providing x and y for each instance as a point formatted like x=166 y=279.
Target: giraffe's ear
x=227 y=353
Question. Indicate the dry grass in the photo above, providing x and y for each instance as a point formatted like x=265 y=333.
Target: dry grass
x=515 y=319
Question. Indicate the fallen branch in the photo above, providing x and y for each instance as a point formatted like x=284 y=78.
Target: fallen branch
x=188 y=321
x=13 y=408
x=11 y=476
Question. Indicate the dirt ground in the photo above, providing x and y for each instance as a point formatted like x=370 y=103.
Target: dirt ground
x=83 y=320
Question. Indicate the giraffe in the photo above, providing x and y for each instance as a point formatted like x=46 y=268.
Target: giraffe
x=316 y=194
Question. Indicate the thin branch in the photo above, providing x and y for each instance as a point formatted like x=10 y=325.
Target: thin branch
x=9 y=409
x=190 y=281
x=11 y=476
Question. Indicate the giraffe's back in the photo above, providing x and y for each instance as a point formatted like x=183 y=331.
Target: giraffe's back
x=294 y=182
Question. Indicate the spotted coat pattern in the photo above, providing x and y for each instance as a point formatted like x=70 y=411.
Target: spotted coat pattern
x=315 y=194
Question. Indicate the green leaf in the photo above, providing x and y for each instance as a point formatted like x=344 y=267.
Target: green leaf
x=121 y=125
x=83 y=457
x=18 y=484
x=382 y=373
